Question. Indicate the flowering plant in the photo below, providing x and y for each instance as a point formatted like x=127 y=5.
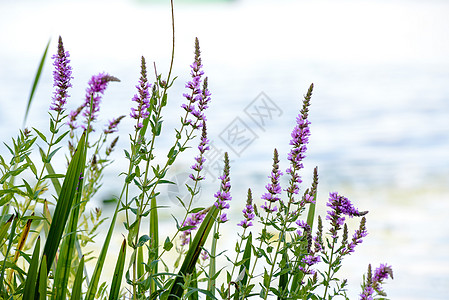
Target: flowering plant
x=285 y=259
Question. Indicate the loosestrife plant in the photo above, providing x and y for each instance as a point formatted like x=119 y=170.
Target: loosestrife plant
x=45 y=226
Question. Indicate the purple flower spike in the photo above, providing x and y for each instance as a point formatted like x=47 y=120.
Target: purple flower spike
x=96 y=87
x=274 y=188
x=340 y=206
x=309 y=260
x=61 y=75
x=359 y=234
x=382 y=272
x=302 y=225
x=112 y=127
x=198 y=95
x=199 y=160
x=300 y=139
x=374 y=283
x=248 y=212
x=142 y=98
x=193 y=220
x=224 y=195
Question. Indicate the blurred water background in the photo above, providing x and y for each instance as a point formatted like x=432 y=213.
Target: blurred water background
x=380 y=109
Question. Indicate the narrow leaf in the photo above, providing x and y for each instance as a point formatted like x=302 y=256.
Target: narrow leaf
x=30 y=283
x=77 y=284
x=36 y=81
x=118 y=273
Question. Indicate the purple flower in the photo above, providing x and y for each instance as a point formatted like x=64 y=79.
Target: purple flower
x=199 y=160
x=300 y=139
x=274 y=187
x=356 y=238
x=96 y=87
x=248 y=212
x=142 y=98
x=61 y=75
x=373 y=283
x=267 y=207
x=204 y=255
x=309 y=260
x=382 y=272
x=340 y=206
x=193 y=220
x=302 y=225
x=198 y=95
x=223 y=196
x=112 y=127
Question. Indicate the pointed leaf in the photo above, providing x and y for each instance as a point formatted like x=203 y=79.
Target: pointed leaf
x=118 y=273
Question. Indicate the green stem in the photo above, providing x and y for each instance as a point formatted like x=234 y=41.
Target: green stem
x=327 y=281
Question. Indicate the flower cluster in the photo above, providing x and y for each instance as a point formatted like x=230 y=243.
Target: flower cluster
x=308 y=261
x=224 y=194
x=61 y=75
x=193 y=220
x=273 y=188
x=248 y=212
x=112 y=126
x=300 y=139
x=198 y=95
x=373 y=283
x=356 y=238
x=304 y=227
x=142 y=98
x=96 y=87
x=199 y=160
x=340 y=206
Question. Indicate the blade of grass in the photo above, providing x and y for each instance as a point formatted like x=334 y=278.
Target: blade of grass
x=118 y=273
x=77 y=284
x=194 y=286
x=63 y=207
x=67 y=249
x=42 y=288
x=93 y=285
x=192 y=255
x=140 y=266
x=12 y=234
x=20 y=244
x=36 y=81
x=4 y=229
x=30 y=283
x=154 y=242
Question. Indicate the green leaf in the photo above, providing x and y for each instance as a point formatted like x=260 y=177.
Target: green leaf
x=42 y=280
x=36 y=81
x=154 y=240
x=63 y=267
x=142 y=240
x=168 y=244
x=12 y=235
x=40 y=134
x=30 y=283
x=78 y=283
x=65 y=201
x=192 y=255
x=4 y=227
x=118 y=273
x=247 y=258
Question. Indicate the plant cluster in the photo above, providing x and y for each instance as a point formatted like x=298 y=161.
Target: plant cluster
x=45 y=226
